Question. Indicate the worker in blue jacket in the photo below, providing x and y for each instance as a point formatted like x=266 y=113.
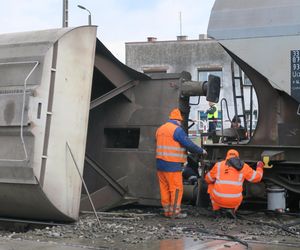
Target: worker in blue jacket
x=171 y=145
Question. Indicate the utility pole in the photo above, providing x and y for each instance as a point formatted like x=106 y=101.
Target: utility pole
x=65 y=21
x=180 y=23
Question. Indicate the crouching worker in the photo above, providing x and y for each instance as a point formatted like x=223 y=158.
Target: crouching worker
x=225 y=181
x=171 y=145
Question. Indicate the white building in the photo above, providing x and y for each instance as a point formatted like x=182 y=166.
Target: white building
x=199 y=57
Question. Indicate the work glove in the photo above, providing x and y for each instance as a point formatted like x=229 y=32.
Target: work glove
x=260 y=164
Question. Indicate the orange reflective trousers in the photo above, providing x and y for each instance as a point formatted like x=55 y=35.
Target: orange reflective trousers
x=168 y=183
x=216 y=205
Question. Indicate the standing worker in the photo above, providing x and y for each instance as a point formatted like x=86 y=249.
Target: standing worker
x=171 y=145
x=225 y=181
x=212 y=117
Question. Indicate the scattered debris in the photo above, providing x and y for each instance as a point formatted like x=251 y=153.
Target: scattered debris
x=132 y=226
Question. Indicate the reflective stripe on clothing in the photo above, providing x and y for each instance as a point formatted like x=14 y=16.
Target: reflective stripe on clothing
x=174 y=148
x=228 y=181
x=176 y=211
x=171 y=154
x=223 y=202
x=227 y=188
x=227 y=195
x=167 y=148
x=209 y=177
x=169 y=182
x=218 y=170
x=235 y=183
x=255 y=173
x=167 y=211
x=166 y=153
x=241 y=177
x=253 y=176
x=166 y=208
x=213 y=115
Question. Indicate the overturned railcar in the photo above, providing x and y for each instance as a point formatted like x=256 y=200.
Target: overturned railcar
x=263 y=39
x=45 y=88
x=126 y=109
x=67 y=105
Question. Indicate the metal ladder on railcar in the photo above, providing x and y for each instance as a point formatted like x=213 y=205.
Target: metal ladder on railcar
x=238 y=92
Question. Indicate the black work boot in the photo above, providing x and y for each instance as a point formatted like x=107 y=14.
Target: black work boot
x=217 y=214
x=229 y=212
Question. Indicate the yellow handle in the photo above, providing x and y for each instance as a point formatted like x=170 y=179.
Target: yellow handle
x=266 y=160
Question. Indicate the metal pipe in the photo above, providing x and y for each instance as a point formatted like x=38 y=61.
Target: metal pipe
x=194 y=88
x=210 y=88
x=23 y=109
x=83 y=182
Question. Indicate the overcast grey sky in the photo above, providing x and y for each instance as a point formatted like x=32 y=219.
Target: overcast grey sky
x=118 y=21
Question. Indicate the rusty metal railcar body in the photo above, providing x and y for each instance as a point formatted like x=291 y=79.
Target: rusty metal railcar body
x=126 y=109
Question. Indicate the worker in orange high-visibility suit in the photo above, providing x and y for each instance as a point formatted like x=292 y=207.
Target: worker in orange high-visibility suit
x=171 y=145
x=225 y=181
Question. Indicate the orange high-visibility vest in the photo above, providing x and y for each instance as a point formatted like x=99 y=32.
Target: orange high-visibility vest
x=228 y=182
x=167 y=148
